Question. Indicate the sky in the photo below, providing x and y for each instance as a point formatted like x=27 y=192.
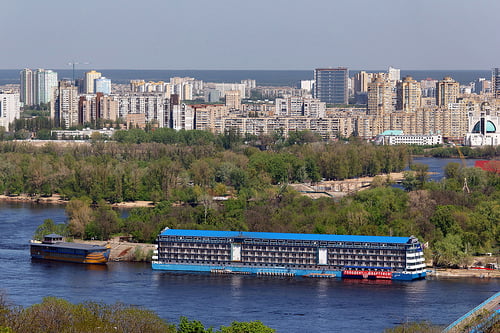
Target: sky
x=250 y=34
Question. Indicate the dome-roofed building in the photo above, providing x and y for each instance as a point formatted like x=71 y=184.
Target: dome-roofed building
x=489 y=127
x=483 y=129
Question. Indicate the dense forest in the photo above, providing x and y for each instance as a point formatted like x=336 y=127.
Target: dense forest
x=195 y=161
x=184 y=172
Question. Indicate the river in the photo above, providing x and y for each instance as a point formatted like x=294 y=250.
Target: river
x=286 y=304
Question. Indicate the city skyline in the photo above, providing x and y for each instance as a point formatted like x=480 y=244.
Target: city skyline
x=258 y=35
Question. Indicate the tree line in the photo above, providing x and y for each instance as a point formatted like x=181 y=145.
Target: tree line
x=179 y=172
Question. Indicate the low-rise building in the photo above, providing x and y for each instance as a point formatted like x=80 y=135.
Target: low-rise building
x=396 y=137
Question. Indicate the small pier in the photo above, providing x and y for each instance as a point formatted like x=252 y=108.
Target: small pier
x=478 y=320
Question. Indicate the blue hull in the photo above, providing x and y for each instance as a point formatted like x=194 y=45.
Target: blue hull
x=408 y=277
x=272 y=271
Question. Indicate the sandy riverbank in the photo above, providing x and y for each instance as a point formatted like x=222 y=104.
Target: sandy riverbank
x=54 y=199
x=58 y=200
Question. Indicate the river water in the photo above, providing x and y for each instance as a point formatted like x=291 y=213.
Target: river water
x=286 y=304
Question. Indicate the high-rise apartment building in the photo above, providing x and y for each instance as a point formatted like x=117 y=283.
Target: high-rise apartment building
x=10 y=109
x=90 y=77
x=64 y=110
x=27 y=93
x=429 y=88
x=91 y=108
x=307 y=85
x=360 y=86
x=233 y=99
x=409 y=95
x=482 y=86
x=249 y=84
x=225 y=87
x=495 y=82
x=181 y=116
x=380 y=96
x=102 y=85
x=187 y=92
x=153 y=106
x=297 y=106
x=45 y=81
x=394 y=75
x=447 y=91
x=361 y=81
x=331 y=85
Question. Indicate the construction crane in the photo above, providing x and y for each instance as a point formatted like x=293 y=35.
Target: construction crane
x=465 y=188
x=73 y=64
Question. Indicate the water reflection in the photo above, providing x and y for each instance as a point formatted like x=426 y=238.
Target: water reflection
x=54 y=265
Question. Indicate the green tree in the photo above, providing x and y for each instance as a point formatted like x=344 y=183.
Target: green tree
x=452 y=170
x=105 y=222
x=443 y=218
x=246 y=327
x=449 y=251
x=80 y=214
x=191 y=326
x=49 y=227
x=421 y=174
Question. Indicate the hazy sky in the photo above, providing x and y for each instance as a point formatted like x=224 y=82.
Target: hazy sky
x=251 y=34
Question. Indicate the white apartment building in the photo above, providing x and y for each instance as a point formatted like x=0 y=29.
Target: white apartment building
x=10 y=109
x=44 y=82
x=296 y=106
x=307 y=85
x=181 y=117
x=224 y=87
x=152 y=105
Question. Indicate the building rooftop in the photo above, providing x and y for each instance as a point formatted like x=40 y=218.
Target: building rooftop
x=392 y=132
x=286 y=236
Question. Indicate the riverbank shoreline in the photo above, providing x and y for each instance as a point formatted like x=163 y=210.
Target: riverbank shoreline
x=56 y=199
x=448 y=273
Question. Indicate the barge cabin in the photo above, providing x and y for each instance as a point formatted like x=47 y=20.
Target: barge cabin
x=287 y=254
x=54 y=248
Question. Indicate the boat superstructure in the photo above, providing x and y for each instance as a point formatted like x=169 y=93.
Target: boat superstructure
x=54 y=248
x=287 y=254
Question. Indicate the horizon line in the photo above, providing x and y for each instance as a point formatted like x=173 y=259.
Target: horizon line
x=246 y=69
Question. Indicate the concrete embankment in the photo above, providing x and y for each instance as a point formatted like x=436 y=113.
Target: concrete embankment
x=464 y=273
x=483 y=318
x=125 y=251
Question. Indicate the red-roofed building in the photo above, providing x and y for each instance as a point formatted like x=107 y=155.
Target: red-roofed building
x=491 y=166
